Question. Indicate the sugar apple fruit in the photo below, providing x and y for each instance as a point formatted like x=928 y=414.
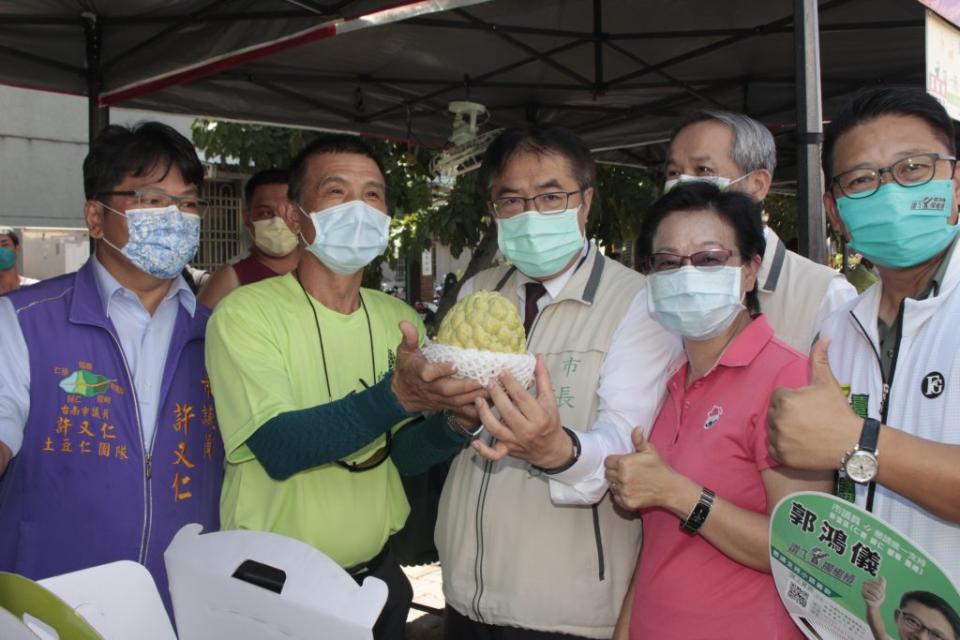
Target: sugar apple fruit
x=484 y=320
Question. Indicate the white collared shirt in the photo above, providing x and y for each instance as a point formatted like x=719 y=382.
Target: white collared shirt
x=144 y=340
x=628 y=395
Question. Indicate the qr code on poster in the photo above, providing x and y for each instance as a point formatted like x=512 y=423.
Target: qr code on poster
x=798 y=595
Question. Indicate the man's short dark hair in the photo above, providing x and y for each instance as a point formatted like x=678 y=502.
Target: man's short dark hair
x=738 y=210
x=869 y=104
x=10 y=233
x=933 y=601
x=261 y=178
x=120 y=152
x=328 y=143
x=540 y=140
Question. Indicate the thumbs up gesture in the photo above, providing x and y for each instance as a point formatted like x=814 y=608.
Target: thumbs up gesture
x=812 y=427
x=642 y=479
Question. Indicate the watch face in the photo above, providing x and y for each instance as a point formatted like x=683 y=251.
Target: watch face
x=861 y=466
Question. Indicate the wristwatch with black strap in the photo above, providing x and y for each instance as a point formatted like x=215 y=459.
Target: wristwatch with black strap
x=573 y=460
x=860 y=465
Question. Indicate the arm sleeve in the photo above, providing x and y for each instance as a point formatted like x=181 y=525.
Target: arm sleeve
x=14 y=378
x=796 y=374
x=424 y=443
x=632 y=386
x=294 y=441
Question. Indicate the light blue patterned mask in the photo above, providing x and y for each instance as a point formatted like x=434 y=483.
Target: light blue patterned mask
x=161 y=241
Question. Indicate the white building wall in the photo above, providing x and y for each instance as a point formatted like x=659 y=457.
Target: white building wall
x=43 y=141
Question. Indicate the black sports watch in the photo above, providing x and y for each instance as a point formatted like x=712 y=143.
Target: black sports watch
x=861 y=464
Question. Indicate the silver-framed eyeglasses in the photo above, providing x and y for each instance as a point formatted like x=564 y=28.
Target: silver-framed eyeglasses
x=548 y=203
x=909 y=172
x=158 y=199
x=710 y=259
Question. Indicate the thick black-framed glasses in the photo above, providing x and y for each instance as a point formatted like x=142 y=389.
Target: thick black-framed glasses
x=552 y=202
x=710 y=259
x=158 y=199
x=914 y=171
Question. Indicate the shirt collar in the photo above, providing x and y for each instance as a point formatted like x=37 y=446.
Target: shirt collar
x=748 y=344
x=109 y=289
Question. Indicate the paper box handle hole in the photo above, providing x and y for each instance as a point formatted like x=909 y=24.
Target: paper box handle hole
x=261 y=575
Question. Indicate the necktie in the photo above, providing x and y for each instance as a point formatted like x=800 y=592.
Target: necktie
x=535 y=291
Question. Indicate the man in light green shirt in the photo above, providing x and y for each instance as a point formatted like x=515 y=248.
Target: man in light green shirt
x=320 y=385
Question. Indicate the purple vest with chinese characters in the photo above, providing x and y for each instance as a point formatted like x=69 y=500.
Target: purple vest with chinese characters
x=83 y=491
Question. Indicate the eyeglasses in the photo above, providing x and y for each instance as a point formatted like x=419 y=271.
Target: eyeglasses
x=553 y=202
x=914 y=625
x=155 y=198
x=711 y=259
x=908 y=172
x=379 y=456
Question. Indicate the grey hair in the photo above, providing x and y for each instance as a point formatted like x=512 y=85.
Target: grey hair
x=753 y=147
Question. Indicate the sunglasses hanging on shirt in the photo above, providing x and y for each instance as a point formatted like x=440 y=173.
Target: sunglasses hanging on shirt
x=380 y=455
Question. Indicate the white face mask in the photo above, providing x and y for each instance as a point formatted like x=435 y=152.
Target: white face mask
x=273 y=237
x=718 y=181
x=695 y=303
x=348 y=236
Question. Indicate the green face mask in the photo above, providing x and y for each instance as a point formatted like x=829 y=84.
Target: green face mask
x=540 y=244
x=8 y=259
x=900 y=226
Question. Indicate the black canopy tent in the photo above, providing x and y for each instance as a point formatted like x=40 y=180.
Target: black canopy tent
x=111 y=50
x=618 y=72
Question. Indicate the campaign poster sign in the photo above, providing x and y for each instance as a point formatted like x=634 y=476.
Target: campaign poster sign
x=843 y=574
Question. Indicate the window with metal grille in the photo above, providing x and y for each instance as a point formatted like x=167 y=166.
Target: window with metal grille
x=221 y=233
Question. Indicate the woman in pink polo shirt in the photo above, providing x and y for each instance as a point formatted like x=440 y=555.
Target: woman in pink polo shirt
x=704 y=482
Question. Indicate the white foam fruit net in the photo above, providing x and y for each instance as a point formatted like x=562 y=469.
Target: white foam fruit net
x=481 y=365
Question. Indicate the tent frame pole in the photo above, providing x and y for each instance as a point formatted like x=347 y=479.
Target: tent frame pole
x=806 y=39
x=97 y=117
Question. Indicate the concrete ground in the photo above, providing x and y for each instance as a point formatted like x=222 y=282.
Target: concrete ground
x=427 y=591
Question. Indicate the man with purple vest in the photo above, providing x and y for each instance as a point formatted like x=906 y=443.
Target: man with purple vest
x=108 y=434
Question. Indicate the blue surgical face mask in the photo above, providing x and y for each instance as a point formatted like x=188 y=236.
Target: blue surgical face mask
x=8 y=259
x=695 y=303
x=160 y=241
x=540 y=244
x=900 y=226
x=348 y=236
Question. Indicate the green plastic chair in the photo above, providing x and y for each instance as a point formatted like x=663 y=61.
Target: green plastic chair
x=19 y=596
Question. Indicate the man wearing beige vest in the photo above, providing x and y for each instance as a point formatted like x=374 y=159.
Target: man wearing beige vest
x=734 y=151
x=530 y=544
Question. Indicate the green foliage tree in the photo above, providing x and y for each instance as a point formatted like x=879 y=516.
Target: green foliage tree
x=460 y=220
x=781 y=210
